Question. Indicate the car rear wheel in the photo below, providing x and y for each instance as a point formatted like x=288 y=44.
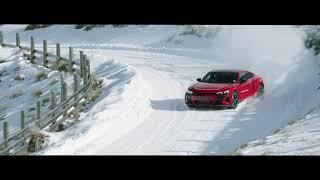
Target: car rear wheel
x=260 y=90
x=235 y=99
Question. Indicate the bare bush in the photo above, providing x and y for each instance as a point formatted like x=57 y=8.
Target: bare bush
x=38 y=93
x=2 y=108
x=42 y=75
x=76 y=113
x=60 y=66
x=36 y=26
x=17 y=93
x=96 y=86
x=19 y=77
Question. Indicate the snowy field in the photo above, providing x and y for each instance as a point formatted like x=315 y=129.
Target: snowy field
x=146 y=70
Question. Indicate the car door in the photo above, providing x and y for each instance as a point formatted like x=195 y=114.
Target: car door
x=245 y=86
x=249 y=78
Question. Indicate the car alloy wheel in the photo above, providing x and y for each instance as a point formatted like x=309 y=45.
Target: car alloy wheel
x=260 y=89
x=186 y=99
x=234 y=100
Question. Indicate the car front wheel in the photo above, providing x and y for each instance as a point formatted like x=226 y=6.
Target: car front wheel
x=235 y=99
x=187 y=100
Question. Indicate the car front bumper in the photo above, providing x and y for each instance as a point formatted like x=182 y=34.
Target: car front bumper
x=207 y=99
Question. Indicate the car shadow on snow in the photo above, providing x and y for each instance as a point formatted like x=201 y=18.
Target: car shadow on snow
x=178 y=105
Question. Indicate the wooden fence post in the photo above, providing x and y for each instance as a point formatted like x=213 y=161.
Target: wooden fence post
x=81 y=64
x=22 y=120
x=53 y=100
x=65 y=98
x=5 y=134
x=61 y=90
x=84 y=69
x=45 y=54
x=58 y=53
x=75 y=87
x=18 y=40
x=38 y=114
x=22 y=127
x=70 y=59
x=64 y=91
x=32 y=51
x=88 y=70
x=53 y=103
x=1 y=38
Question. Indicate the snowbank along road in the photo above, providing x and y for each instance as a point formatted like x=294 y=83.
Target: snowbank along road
x=146 y=70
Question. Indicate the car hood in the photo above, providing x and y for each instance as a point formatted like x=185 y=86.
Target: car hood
x=202 y=86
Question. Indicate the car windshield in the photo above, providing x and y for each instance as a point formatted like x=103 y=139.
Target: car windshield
x=220 y=77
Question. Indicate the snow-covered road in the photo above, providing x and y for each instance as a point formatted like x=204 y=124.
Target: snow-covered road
x=141 y=109
x=169 y=127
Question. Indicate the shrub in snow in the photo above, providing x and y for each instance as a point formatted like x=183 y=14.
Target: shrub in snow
x=60 y=66
x=83 y=104
x=196 y=30
x=79 y=26
x=119 y=25
x=76 y=113
x=19 y=77
x=201 y=30
x=191 y=31
x=2 y=72
x=36 y=26
x=42 y=75
x=87 y=27
x=16 y=94
x=36 y=141
x=312 y=40
x=2 y=108
x=17 y=68
x=2 y=61
x=95 y=83
x=38 y=93
x=92 y=95
x=95 y=90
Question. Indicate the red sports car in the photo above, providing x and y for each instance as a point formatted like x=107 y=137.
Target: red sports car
x=224 y=88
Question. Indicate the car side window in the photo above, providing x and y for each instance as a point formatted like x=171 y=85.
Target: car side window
x=242 y=75
x=248 y=75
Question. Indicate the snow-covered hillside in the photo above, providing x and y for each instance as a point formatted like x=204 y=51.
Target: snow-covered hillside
x=146 y=70
x=300 y=138
x=22 y=84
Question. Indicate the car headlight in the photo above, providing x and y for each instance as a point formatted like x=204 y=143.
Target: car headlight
x=189 y=92
x=223 y=92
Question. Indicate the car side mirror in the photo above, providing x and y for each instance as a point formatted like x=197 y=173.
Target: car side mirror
x=199 y=79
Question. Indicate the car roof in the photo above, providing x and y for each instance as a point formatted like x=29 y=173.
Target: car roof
x=229 y=70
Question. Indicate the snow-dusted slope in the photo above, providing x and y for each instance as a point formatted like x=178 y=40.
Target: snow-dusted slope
x=142 y=111
x=300 y=138
x=18 y=87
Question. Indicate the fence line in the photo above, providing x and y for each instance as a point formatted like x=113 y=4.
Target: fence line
x=58 y=112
